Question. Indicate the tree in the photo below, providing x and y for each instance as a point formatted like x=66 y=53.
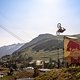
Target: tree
x=36 y=72
x=50 y=65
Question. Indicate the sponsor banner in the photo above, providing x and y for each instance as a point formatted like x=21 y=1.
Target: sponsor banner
x=72 y=50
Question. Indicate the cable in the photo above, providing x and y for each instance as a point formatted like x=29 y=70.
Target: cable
x=14 y=35
x=11 y=33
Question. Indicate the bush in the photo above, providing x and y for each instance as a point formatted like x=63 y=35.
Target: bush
x=61 y=74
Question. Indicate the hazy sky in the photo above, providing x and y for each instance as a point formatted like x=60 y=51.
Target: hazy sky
x=29 y=18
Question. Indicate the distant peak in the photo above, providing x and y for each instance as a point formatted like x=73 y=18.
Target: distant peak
x=46 y=34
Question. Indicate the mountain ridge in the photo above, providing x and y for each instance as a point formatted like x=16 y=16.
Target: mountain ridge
x=41 y=44
x=45 y=45
x=9 y=49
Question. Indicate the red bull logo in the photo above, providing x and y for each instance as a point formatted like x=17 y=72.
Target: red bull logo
x=73 y=45
x=72 y=50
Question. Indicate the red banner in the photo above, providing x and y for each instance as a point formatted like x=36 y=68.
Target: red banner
x=72 y=50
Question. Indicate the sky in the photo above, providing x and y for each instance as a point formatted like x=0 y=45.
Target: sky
x=29 y=18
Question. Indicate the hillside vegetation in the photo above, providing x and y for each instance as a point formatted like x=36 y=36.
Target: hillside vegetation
x=43 y=47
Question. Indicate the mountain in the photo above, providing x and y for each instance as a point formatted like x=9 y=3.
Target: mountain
x=6 y=50
x=44 y=46
x=42 y=38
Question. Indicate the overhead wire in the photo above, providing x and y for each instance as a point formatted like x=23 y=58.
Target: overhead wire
x=10 y=32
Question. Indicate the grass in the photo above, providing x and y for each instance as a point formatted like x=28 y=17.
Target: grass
x=72 y=73
x=20 y=74
x=7 y=78
x=4 y=69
